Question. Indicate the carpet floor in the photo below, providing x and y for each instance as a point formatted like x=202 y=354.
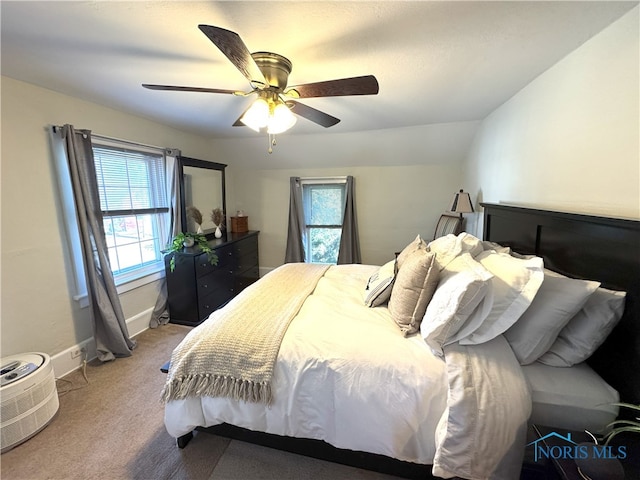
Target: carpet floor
x=112 y=428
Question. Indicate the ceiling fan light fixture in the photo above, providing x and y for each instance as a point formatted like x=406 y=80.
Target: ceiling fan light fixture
x=268 y=75
x=281 y=119
x=257 y=116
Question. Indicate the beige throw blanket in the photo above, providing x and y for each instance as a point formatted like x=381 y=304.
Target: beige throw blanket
x=233 y=353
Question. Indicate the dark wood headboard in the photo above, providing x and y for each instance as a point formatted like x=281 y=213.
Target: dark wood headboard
x=588 y=247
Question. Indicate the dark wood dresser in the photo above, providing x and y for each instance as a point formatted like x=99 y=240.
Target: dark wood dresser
x=196 y=288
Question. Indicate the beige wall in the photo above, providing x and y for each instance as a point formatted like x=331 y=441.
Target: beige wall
x=570 y=139
x=37 y=311
x=404 y=180
x=394 y=204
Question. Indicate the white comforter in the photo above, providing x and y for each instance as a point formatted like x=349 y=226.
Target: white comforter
x=346 y=375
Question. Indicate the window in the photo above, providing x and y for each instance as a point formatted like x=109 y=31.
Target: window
x=133 y=200
x=323 y=203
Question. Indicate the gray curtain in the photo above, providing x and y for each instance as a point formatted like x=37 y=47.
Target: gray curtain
x=295 y=234
x=349 y=240
x=109 y=326
x=160 y=315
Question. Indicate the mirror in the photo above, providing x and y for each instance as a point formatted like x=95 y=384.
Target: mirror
x=202 y=186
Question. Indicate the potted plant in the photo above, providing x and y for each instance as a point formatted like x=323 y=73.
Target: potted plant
x=217 y=217
x=182 y=240
x=621 y=426
x=606 y=463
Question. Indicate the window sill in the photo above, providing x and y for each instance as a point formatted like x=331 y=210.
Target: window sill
x=125 y=286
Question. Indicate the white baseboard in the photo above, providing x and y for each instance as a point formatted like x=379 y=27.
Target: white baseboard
x=62 y=362
x=139 y=323
x=262 y=271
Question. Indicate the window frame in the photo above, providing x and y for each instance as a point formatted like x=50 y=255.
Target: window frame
x=307 y=185
x=161 y=220
x=125 y=282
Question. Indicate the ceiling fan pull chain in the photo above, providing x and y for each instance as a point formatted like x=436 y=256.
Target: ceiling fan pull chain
x=272 y=142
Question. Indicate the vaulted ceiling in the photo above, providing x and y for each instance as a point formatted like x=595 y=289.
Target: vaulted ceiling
x=436 y=61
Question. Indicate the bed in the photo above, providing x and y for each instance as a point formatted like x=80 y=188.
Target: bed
x=381 y=387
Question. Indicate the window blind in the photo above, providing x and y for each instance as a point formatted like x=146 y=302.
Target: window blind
x=130 y=182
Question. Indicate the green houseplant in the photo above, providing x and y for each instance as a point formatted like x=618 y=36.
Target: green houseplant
x=605 y=461
x=621 y=426
x=182 y=239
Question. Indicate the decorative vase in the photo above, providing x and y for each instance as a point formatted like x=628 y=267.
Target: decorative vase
x=218 y=233
x=199 y=231
x=188 y=242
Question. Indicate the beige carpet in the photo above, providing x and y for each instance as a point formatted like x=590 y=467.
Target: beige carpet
x=113 y=429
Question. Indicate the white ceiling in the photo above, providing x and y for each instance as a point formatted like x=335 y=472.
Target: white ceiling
x=436 y=62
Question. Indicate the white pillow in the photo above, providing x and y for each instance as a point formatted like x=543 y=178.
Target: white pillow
x=514 y=285
x=486 y=245
x=449 y=247
x=470 y=244
x=556 y=302
x=462 y=286
x=587 y=330
x=378 y=289
x=476 y=318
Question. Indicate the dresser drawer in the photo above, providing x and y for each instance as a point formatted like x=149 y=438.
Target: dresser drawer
x=213 y=301
x=245 y=246
x=213 y=281
x=246 y=278
x=214 y=289
x=248 y=259
x=225 y=260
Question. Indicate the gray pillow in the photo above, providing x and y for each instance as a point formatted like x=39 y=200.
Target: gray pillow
x=413 y=288
x=556 y=302
x=587 y=330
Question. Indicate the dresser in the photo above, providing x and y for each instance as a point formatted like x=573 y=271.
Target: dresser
x=196 y=288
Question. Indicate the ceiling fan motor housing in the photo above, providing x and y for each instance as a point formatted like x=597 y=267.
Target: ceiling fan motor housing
x=274 y=67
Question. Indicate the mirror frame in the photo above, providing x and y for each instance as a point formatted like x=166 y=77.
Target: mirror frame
x=194 y=162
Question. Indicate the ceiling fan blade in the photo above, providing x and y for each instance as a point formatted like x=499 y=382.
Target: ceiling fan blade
x=235 y=50
x=365 y=85
x=312 y=114
x=186 y=89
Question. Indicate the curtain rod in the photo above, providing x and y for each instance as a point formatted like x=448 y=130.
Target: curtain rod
x=324 y=179
x=113 y=139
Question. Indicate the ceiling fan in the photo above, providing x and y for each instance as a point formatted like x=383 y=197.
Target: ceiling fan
x=268 y=74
